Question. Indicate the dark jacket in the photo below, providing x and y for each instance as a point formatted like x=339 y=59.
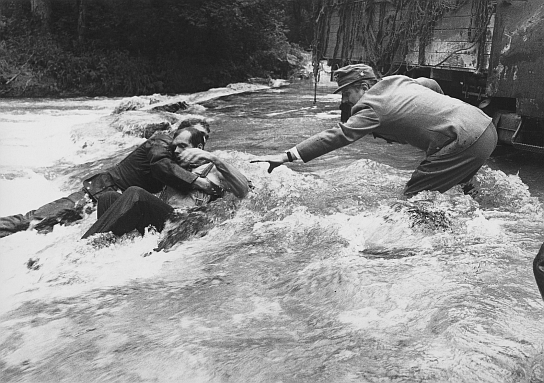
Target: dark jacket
x=150 y=166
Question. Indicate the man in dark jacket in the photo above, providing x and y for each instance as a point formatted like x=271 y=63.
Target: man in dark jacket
x=137 y=209
x=150 y=166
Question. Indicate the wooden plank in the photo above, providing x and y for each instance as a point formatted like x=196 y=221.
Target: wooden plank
x=465 y=10
x=455 y=60
x=450 y=46
x=432 y=55
x=454 y=22
x=460 y=34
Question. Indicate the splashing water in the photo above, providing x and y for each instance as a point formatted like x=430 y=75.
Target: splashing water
x=322 y=274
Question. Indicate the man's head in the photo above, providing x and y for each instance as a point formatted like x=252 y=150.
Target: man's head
x=189 y=137
x=354 y=80
x=196 y=123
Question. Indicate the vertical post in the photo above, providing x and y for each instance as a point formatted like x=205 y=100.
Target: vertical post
x=316 y=52
x=316 y=80
x=81 y=21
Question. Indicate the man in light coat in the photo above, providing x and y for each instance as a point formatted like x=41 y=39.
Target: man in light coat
x=457 y=138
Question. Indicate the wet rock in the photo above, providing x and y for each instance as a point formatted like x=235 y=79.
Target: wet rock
x=172 y=107
x=195 y=222
x=132 y=103
x=143 y=124
x=259 y=80
x=184 y=225
x=102 y=240
x=424 y=215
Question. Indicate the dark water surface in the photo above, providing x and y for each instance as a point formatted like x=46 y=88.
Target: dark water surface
x=324 y=274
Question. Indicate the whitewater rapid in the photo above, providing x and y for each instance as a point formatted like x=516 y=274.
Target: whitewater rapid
x=323 y=274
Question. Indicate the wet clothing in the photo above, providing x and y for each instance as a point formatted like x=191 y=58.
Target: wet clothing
x=442 y=172
x=538 y=270
x=64 y=210
x=345 y=106
x=135 y=209
x=182 y=199
x=151 y=166
x=345 y=111
x=14 y=223
x=401 y=109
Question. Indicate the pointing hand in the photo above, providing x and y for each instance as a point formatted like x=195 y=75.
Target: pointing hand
x=274 y=160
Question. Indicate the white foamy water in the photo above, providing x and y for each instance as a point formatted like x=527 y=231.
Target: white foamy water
x=323 y=274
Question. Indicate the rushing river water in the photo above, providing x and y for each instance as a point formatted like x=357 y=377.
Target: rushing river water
x=323 y=274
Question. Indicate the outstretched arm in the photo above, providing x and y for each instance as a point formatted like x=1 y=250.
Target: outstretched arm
x=234 y=180
x=274 y=160
x=362 y=122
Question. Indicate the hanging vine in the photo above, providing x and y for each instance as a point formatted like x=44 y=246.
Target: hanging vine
x=386 y=37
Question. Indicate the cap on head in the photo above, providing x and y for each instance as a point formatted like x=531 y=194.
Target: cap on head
x=350 y=74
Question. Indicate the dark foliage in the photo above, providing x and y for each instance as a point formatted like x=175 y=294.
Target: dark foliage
x=127 y=47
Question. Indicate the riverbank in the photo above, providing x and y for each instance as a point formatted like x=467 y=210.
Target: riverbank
x=40 y=67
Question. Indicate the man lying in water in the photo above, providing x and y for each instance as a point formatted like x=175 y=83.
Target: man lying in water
x=150 y=166
x=137 y=209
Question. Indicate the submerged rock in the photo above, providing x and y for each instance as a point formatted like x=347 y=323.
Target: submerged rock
x=172 y=107
x=132 y=103
x=196 y=222
x=142 y=124
x=424 y=215
x=101 y=240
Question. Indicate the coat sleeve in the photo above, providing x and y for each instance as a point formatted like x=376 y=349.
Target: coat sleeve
x=232 y=179
x=362 y=122
x=165 y=169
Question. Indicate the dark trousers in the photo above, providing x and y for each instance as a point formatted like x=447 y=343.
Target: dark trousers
x=63 y=210
x=134 y=209
x=538 y=270
x=442 y=172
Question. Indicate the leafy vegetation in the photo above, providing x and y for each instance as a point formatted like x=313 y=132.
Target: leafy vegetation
x=130 y=47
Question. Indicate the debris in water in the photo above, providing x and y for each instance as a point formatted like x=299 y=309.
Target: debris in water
x=32 y=264
x=101 y=240
x=424 y=215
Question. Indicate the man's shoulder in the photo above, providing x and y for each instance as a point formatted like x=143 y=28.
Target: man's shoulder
x=398 y=84
x=429 y=83
x=160 y=138
x=401 y=79
x=159 y=146
x=397 y=78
